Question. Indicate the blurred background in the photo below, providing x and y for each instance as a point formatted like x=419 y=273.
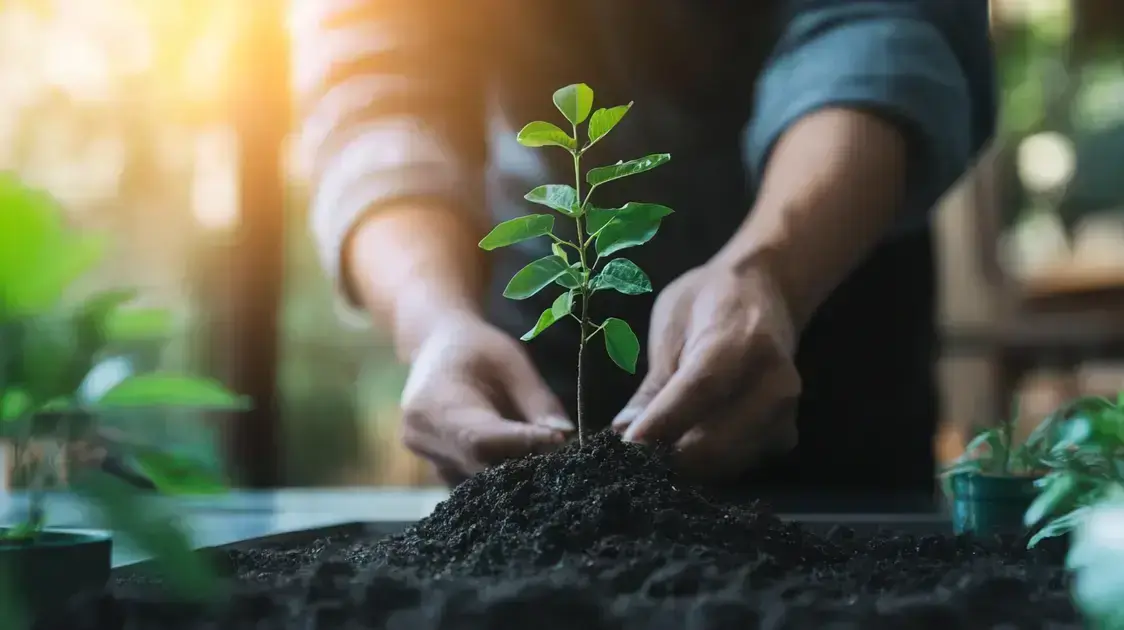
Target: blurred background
x=168 y=124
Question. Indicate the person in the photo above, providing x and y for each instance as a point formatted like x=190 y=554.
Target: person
x=791 y=335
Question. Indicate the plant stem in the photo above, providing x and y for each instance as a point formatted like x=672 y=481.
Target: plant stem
x=584 y=288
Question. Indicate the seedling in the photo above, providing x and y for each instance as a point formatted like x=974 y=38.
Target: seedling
x=47 y=352
x=992 y=452
x=605 y=230
x=1083 y=452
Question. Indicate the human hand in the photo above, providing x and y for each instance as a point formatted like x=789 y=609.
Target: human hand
x=722 y=385
x=474 y=399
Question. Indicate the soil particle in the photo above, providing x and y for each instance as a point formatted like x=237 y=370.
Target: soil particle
x=604 y=537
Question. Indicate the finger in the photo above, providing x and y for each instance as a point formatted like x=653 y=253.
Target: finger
x=759 y=425
x=665 y=344
x=650 y=387
x=534 y=400
x=727 y=448
x=673 y=410
x=490 y=440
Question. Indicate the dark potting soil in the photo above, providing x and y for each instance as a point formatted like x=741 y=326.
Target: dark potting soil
x=603 y=537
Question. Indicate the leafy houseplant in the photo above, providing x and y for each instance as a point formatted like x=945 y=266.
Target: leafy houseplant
x=600 y=233
x=1084 y=464
x=992 y=483
x=47 y=352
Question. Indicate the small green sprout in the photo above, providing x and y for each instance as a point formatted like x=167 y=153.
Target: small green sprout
x=992 y=452
x=608 y=231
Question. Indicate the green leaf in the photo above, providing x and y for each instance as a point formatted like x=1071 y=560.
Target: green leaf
x=573 y=279
x=559 y=251
x=574 y=101
x=1059 y=526
x=535 y=277
x=15 y=403
x=621 y=344
x=170 y=390
x=1058 y=488
x=603 y=121
x=39 y=256
x=557 y=197
x=517 y=230
x=559 y=310
x=177 y=475
x=94 y=314
x=632 y=225
x=624 y=276
x=132 y=516
x=597 y=218
x=603 y=174
x=53 y=362
x=139 y=324
x=544 y=134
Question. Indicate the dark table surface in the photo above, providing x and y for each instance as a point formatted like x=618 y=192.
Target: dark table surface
x=242 y=515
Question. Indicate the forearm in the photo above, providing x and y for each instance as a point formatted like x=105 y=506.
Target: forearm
x=413 y=267
x=831 y=190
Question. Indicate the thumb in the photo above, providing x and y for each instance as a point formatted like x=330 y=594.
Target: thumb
x=650 y=387
x=534 y=400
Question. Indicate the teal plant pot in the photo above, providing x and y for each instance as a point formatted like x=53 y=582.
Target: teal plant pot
x=990 y=504
x=54 y=567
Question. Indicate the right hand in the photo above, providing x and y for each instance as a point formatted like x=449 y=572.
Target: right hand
x=474 y=399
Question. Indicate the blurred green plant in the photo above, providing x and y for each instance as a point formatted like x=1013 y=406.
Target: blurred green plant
x=1096 y=561
x=992 y=452
x=1084 y=463
x=47 y=351
x=607 y=230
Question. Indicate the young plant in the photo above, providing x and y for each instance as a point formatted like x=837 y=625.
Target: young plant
x=992 y=452
x=1082 y=450
x=47 y=352
x=606 y=231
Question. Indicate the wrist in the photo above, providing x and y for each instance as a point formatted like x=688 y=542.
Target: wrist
x=417 y=320
x=415 y=268
x=768 y=261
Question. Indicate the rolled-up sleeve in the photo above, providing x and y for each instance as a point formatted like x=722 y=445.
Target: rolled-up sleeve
x=391 y=103
x=885 y=57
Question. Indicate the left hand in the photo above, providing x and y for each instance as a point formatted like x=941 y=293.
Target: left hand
x=722 y=384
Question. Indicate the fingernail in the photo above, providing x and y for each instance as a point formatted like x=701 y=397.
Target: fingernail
x=624 y=418
x=558 y=423
x=630 y=434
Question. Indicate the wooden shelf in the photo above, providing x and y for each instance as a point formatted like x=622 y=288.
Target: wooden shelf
x=1072 y=281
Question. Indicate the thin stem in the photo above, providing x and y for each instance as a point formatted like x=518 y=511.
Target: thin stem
x=584 y=288
x=562 y=241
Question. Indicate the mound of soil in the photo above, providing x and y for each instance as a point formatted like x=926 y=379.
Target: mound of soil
x=603 y=537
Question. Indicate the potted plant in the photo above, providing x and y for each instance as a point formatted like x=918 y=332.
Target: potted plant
x=992 y=484
x=47 y=350
x=598 y=233
x=1084 y=464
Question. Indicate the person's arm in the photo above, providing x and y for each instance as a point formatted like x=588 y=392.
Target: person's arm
x=394 y=128
x=864 y=120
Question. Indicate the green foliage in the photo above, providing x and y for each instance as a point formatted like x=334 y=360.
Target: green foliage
x=169 y=390
x=1081 y=446
x=47 y=350
x=150 y=530
x=991 y=452
x=1096 y=561
x=601 y=232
